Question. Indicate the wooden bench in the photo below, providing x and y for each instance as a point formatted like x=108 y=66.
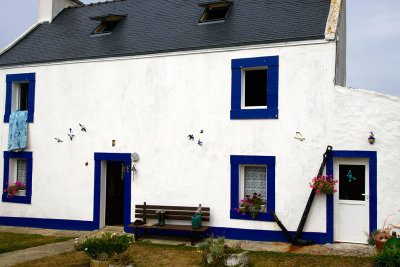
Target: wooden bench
x=179 y=213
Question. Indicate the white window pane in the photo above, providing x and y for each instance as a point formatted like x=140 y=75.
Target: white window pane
x=255 y=180
x=21 y=170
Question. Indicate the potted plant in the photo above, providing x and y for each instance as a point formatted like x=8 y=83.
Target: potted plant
x=324 y=184
x=101 y=249
x=17 y=189
x=254 y=204
x=216 y=253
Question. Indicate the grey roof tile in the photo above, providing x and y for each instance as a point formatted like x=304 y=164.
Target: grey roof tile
x=153 y=26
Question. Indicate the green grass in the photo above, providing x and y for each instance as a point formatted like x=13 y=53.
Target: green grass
x=13 y=241
x=153 y=255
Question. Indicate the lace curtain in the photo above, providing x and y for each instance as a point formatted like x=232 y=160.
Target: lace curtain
x=255 y=180
x=21 y=170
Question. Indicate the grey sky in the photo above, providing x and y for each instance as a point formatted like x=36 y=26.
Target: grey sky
x=373 y=54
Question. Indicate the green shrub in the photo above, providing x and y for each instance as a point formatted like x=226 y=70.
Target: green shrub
x=104 y=247
x=388 y=257
x=371 y=237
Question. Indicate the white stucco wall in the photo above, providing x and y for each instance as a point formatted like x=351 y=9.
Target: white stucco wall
x=359 y=112
x=150 y=104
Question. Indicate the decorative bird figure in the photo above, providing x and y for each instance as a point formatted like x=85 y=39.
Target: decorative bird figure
x=200 y=143
x=83 y=128
x=201 y=131
x=58 y=140
x=191 y=137
x=71 y=134
x=299 y=136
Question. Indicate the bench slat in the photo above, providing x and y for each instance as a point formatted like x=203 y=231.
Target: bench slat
x=170 y=217
x=160 y=207
x=169 y=212
x=172 y=227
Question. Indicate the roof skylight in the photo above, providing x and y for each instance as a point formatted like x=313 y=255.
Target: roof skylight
x=215 y=11
x=107 y=23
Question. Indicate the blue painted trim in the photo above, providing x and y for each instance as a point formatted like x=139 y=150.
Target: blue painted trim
x=237 y=65
x=237 y=160
x=48 y=223
x=372 y=156
x=17 y=155
x=125 y=157
x=21 y=77
x=242 y=234
x=112 y=156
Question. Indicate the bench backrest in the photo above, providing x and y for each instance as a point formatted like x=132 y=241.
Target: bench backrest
x=171 y=212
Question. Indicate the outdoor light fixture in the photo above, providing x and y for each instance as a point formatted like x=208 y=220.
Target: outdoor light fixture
x=371 y=138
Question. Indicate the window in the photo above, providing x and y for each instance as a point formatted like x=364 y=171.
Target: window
x=17 y=167
x=20 y=94
x=253 y=179
x=255 y=88
x=107 y=23
x=252 y=174
x=215 y=11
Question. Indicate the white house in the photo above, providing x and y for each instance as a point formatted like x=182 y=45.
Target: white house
x=242 y=77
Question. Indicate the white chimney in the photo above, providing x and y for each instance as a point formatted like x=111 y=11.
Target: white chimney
x=48 y=9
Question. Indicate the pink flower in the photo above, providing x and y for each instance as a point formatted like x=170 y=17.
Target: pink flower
x=249 y=204
x=318 y=191
x=321 y=184
x=341 y=257
x=319 y=251
x=336 y=181
x=243 y=213
x=313 y=251
x=331 y=185
x=334 y=191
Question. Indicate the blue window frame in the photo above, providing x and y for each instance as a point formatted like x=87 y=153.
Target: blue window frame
x=6 y=179
x=26 y=78
x=239 y=68
x=236 y=162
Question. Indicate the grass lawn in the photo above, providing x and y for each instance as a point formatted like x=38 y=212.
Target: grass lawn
x=13 y=241
x=148 y=255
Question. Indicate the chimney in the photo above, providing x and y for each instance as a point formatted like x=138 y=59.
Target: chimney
x=48 y=9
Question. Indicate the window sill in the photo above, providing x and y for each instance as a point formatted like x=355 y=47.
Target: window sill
x=240 y=114
x=17 y=199
x=264 y=216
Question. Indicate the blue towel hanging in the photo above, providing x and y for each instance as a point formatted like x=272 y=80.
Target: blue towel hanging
x=18 y=130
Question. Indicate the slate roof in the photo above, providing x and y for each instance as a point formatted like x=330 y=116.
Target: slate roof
x=153 y=26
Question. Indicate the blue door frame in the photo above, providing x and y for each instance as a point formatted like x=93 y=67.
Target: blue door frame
x=372 y=156
x=126 y=158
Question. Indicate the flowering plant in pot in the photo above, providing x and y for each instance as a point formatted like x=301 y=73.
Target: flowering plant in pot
x=13 y=189
x=324 y=184
x=251 y=204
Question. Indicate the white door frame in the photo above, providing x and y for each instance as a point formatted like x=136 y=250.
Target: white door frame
x=372 y=156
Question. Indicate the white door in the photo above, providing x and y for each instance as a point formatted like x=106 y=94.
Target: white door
x=351 y=201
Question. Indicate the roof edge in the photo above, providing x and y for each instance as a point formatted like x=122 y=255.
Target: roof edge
x=279 y=42
x=19 y=38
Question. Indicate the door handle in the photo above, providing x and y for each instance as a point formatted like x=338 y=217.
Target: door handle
x=366 y=196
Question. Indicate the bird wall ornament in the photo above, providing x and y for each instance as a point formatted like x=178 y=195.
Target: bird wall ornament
x=299 y=136
x=83 y=128
x=58 y=140
x=71 y=134
x=191 y=137
x=200 y=143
